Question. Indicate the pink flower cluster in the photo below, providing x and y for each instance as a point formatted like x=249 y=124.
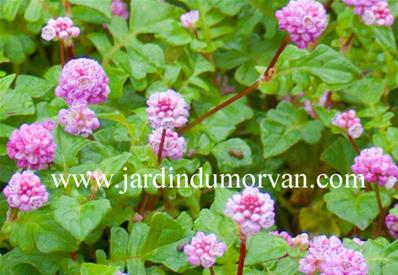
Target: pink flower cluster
x=32 y=145
x=349 y=122
x=305 y=20
x=167 y=110
x=373 y=12
x=83 y=80
x=328 y=256
x=392 y=224
x=190 y=19
x=173 y=146
x=251 y=210
x=25 y=192
x=376 y=167
x=60 y=28
x=78 y=120
x=300 y=241
x=120 y=8
x=204 y=249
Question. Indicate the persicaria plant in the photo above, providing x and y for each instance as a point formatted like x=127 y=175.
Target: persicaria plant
x=290 y=104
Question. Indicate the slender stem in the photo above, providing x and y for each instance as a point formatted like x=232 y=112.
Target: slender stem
x=212 y=272
x=144 y=203
x=328 y=5
x=347 y=43
x=353 y=144
x=152 y=202
x=161 y=145
x=266 y=76
x=68 y=10
x=12 y=215
x=71 y=53
x=62 y=52
x=242 y=255
x=268 y=72
x=381 y=209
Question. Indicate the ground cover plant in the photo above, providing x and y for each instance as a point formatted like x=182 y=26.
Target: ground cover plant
x=270 y=91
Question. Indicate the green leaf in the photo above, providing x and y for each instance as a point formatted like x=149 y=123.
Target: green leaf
x=9 y=9
x=388 y=141
x=117 y=78
x=285 y=126
x=38 y=230
x=34 y=86
x=366 y=91
x=340 y=155
x=357 y=207
x=80 y=219
x=232 y=154
x=103 y=6
x=33 y=11
x=264 y=247
x=68 y=147
x=15 y=103
x=114 y=164
x=5 y=82
x=97 y=269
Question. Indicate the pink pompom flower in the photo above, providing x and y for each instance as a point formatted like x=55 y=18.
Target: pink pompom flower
x=25 y=192
x=83 y=80
x=78 y=120
x=167 y=109
x=378 y=15
x=190 y=19
x=251 y=210
x=204 y=249
x=60 y=28
x=376 y=167
x=328 y=256
x=120 y=8
x=392 y=224
x=304 y=20
x=173 y=146
x=350 y=123
x=32 y=145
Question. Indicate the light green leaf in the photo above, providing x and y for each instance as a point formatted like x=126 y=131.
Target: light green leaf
x=264 y=247
x=359 y=208
x=340 y=155
x=103 y=6
x=97 y=269
x=232 y=154
x=80 y=219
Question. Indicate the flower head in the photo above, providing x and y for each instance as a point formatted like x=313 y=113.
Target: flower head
x=349 y=122
x=167 y=109
x=60 y=28
x=376 y=167
x=251 y=210
x=83 y=80
x=330 y=257
x=392 y=224
x=204 y=249
x=173 y=146
x=25 y=192
x=190 y=19
x=305 y=20
x=378 y=15
x=120 y=8
x=78 y=120
x=32 y=145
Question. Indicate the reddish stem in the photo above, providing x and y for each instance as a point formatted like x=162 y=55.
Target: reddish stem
x=379 y=227
x=71 y=53
x=144 y=203
x=12 y=215
x=242 y=255
x=266 y=76
x=212 y=272
x=353 y=144
x=347 y=43
x=328 y=5
x=62 y=52
x=68 y=10
x=73 y=256
x=161 y=145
